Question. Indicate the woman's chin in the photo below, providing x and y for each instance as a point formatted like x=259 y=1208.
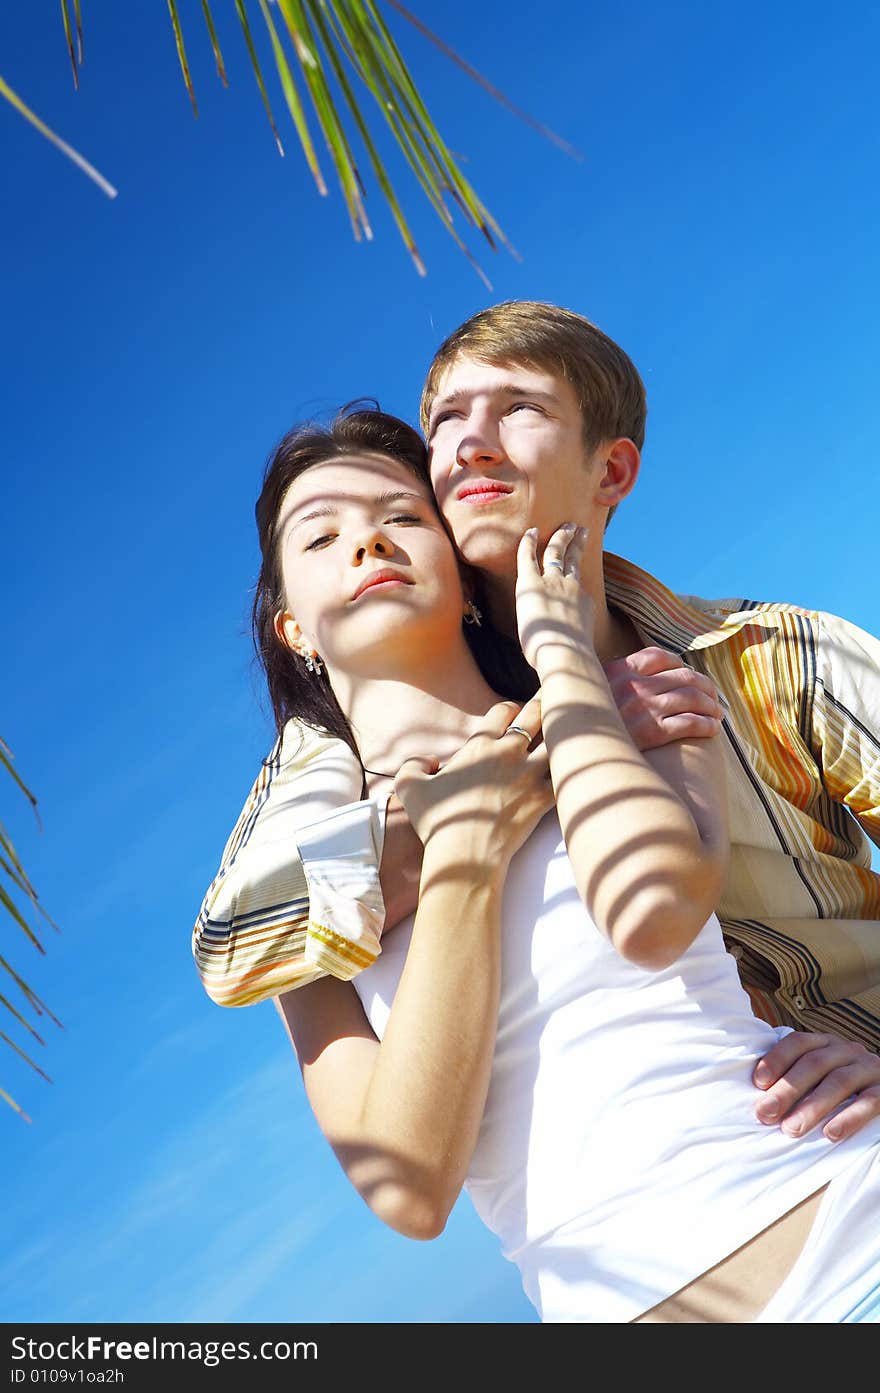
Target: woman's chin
x=396 y=652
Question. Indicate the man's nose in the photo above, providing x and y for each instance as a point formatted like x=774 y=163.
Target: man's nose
x=479 y=447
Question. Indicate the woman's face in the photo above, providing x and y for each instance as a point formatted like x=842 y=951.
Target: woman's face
x=369 y=571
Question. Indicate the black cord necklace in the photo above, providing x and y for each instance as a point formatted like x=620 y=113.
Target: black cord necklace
x=377 y=773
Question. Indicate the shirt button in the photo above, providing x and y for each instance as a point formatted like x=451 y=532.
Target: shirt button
x=799 y=1003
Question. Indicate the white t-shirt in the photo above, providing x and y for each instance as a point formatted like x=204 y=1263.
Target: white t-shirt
x=619 y=1156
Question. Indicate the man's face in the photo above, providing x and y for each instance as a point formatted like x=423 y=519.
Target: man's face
x=507 y=452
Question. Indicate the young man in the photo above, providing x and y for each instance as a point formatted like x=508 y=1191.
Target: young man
x=522 y=404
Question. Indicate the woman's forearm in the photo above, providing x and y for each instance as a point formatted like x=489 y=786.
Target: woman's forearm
x=426 y=1094
x=403 y=1115
x=648 y=848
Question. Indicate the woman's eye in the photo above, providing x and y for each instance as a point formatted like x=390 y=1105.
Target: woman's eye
x=405 y=517
x=319 y=542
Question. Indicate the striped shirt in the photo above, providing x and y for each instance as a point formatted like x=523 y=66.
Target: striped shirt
x=297 y=895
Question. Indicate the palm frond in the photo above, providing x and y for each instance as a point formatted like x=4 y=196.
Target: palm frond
x=15 y=874
x=12 y=1103
x=4 y=1001
x=26 y=1057
x=7 y=903
x=68 y=34
x=378 y=167
x=292 y=97
x=324 y=36
x=35 y=1002
x=181 y=54
x=486 y=85
x=255 y=64
x=215 y=43
x=81 y=163
x=296 y=18
x=79 y=32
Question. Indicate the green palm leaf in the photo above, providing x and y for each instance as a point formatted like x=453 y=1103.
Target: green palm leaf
x=218 y=56
x=486 y=85
x=68 y=33
x=12 y=869
x=79 y=160
x=252 y=54
x=292 y=97
x=12 y=1103
x=79 y=32
x=332 y=41
x=181 y=53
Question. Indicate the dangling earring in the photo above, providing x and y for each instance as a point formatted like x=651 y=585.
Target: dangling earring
x=313 y=663
x=472 y=615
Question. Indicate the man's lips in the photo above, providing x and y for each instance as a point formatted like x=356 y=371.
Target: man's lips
x=380 y=578
x=483 y=491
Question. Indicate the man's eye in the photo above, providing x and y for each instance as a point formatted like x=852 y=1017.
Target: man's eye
x=441 y=419
x=319 y=542
x=523 y=406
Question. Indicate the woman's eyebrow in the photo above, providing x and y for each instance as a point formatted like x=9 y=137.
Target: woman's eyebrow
x=385 y=498
x=326 y=510
x=381 y=500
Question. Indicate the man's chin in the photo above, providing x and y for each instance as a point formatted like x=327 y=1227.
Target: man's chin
x=491 y=550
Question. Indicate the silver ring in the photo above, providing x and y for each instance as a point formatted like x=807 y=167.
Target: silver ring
x=518 y=730
x=557 y=565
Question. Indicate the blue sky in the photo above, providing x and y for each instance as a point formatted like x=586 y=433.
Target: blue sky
x=723 y=227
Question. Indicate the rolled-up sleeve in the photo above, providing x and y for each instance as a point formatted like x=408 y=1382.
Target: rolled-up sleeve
x=297 y=895
x=846 y=718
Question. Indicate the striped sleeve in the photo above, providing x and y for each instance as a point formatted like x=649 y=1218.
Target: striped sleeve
x=846 y=718
x=297 y=895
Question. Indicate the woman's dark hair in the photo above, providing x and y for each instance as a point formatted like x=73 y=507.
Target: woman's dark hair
x=293 y=690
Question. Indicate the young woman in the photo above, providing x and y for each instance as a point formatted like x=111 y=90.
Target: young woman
x=583 y=1062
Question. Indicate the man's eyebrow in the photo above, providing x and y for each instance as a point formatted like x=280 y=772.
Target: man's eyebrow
x=382 y=500
x=506 y=389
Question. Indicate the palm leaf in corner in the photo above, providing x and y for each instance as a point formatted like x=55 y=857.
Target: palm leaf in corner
x=14 y=881
x=353 y=78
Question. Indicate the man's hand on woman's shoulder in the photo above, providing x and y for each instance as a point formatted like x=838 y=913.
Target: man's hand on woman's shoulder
x=661 y=699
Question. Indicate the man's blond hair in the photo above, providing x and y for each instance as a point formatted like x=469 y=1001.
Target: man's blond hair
x=609 y=389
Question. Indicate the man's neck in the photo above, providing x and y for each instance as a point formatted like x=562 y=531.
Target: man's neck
x=614 y=635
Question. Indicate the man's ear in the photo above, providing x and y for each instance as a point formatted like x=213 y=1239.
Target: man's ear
x=287 y=630
x=617 y=472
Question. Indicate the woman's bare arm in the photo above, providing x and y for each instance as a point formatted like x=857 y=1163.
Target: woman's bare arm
x=403 y=1115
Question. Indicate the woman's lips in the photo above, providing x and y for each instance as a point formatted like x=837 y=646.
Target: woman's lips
x=381 y=582
x=379 y=585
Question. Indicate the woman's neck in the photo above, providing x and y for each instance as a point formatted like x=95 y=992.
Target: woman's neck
x=423 y=706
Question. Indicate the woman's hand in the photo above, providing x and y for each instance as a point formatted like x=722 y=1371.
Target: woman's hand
x=554 y=614
x=491 y=794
